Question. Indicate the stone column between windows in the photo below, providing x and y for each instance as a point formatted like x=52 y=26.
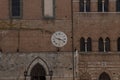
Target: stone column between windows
x=103 y=6
x=85 y=45
x=85 y=6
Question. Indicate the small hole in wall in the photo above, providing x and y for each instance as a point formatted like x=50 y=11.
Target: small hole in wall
x=1 y=50
x=17 y=50
x=70 y=68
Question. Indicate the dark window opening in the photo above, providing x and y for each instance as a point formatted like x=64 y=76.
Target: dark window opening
x=81 y=5
x=118 y=5
x=87 y=5
x=15 y=8
x=118 y=44
x=84 y=6
x=82 y=45
x=89 y=44
x=103 y=5
x=99 y=5
x=106 y=4
x=101 y=45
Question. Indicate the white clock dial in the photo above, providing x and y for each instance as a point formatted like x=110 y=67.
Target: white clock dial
x=59 y=39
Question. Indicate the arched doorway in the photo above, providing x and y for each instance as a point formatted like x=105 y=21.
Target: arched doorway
x=104 y=76
x=38 y=72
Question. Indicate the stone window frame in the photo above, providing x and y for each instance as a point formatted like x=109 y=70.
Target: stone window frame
x=10 y=10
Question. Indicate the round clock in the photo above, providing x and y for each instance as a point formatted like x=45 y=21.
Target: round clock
x=59 y=39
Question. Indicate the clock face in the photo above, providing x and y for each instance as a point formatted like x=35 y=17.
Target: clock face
x=59 y=39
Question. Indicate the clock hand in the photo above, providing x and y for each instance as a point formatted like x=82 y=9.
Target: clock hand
x=60 y=39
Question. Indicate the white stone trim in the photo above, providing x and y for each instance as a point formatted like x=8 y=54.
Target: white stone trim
x=38 y=60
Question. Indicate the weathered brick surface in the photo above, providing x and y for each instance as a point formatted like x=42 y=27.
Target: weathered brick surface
x=31 y=37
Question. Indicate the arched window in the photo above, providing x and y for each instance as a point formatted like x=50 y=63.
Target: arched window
x=99 y=5
x=89 y=44
x=84 y=5
x=106 y=4
x=103 y=5
x=107 y=44
x=104 y=76
x=118 y=44
x=38 y=72
x=81 y=5
x=82 y=44
x=87 y=5
x=101 y=45
x=118 y=5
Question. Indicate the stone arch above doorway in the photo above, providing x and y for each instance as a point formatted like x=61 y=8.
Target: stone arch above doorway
x=39 y=61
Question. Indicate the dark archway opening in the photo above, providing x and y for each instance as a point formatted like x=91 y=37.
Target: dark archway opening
x=104 y=76
x=38 y=72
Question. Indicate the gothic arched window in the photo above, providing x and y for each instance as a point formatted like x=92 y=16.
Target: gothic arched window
x=82 y=44
x=84 y=5
x=101 y=45
x=103 y=5
x=89 y=44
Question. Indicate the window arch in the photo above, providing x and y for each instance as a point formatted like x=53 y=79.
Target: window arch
x=101 y=44
x=82 y=44
x=118 y=44
x=38 y=72
x=104 y=76
x=118 y=5
x=89 y=44
x=107 y=44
